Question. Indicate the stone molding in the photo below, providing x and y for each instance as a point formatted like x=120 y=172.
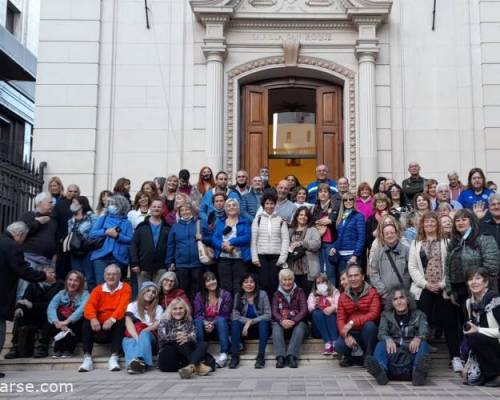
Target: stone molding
x=303 y=61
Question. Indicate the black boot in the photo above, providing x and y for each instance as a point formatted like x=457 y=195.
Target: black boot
x=292 y=361
x=12 y=353
x=235 y=360
x=260 y=362
x=280 y=362
x=41 y=350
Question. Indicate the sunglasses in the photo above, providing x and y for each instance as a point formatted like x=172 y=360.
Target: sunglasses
x=345 y=200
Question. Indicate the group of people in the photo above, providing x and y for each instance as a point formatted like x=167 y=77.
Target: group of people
x=183 y=264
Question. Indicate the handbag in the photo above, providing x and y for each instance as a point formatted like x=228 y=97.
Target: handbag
x=65 y=311
x=206 y=254
x=400 y=364
x=298 y=252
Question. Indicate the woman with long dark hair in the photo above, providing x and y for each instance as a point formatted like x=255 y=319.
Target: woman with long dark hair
x=251 y=318
x=122 y=187
x=212 y=314
x=468 y=251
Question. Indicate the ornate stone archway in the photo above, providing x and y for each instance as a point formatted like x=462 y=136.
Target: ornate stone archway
x=339 y=71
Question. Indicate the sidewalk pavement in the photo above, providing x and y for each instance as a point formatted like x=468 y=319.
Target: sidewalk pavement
x=319 y=380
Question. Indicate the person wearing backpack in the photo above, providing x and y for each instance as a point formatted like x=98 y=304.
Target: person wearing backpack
x=402 y=352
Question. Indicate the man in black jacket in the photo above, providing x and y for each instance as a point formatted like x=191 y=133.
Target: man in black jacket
x=13 y=267
x=31 y=310
x=149 y=245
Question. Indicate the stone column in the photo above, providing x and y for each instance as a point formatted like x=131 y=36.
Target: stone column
x=366 y=51
x=215 y=110
x=214 y=49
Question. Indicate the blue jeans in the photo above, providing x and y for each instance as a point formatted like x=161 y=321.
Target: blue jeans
x=221 y=329
x=140 y=348
x=366 y=338
x=325 y=265
x=263 y=333
x=84 y=265
x=381 y=355
x=325 y=325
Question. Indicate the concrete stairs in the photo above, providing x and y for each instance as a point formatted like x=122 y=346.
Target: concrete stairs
x=312 y=354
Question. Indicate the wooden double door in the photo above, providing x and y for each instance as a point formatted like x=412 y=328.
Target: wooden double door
x=257 y=126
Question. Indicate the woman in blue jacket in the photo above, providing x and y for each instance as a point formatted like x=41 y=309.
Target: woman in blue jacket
x=182 y=251
x=350 y=242
x=65 y=313
x=116 y=231
x=231 y=242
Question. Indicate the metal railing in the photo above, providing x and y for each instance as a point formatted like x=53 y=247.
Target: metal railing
x=18 y=187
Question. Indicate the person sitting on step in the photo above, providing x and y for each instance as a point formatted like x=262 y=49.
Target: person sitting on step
x=289 y=310
x=402 y=352
x=322 y=304
x=105 y=318
x=31 y=318
x=179 y=349
x=212 y=314
x=141 y=321
x=358 y=311
x=65 y=314
x=250 y=319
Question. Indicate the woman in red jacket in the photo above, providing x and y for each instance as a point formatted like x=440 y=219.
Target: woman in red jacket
x=358 y=311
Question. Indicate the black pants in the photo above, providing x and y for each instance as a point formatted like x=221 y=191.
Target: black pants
x=172 y=356
x=487 y=351
x=303 y=282
x=38 y=319
x=190 y=280
x=268 y=273
x=444 y=314
x=63 y=263
x=69 y=342
x=231 y=271
x=113 y=336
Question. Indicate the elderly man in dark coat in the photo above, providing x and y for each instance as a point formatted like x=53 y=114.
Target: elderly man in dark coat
x=13 y=267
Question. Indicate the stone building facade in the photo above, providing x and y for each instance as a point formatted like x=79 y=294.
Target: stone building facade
x=124 y=90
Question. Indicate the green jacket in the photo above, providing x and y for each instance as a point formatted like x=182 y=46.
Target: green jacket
x=390 y=329
x=464 y=257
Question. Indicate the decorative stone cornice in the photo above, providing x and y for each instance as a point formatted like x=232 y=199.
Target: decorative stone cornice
x=304 y=61
x=282 y=25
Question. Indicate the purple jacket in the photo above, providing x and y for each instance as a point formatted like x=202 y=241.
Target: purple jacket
x=295 y=309
x=225 y=306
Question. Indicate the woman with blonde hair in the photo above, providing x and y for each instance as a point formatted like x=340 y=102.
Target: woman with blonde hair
x=381 y=206
x=179 y=350
x=141 y=321
x=426 y=265
x=364 y=200
x=56 y=189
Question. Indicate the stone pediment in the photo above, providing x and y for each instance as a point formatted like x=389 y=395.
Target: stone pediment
x=292 y=9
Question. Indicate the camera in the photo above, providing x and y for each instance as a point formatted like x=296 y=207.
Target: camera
x=467 y=327
x=227 y=230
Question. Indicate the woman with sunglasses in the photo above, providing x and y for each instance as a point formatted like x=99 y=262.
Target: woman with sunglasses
x=350 y=243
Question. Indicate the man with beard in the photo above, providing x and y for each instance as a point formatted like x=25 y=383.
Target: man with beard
x=207 y=205
x=241 y=186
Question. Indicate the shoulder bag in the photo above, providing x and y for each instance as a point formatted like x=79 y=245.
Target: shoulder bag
x=205 y=253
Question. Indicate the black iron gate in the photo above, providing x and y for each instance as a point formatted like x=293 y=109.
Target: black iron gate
x=18 y=188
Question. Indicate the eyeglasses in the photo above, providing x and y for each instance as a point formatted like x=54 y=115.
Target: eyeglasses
x=241 y=176
x=348 y=200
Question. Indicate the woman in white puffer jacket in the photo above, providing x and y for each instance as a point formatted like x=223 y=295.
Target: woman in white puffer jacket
x=269 y=245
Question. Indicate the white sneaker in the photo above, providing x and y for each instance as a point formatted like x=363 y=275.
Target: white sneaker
x=456 y=364
x=221 y=360
x=114 y=363
x=87 y=364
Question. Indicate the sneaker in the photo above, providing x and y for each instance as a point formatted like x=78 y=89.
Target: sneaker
x=260 y=362
x=67 y=354
x=187 y=372
x=135 y=367
x=41 y=351
x=221 y=360
x=328 y=349
x=87 y=364
x=456 y=364
x=113 y=363
x=202 y=369
x=57 y=354
x=420 y=371
x=12 y=353
x=235 y=360
x=376 y=370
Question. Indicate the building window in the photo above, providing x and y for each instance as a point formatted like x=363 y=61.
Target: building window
x=15 y=138
x=13 y=16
